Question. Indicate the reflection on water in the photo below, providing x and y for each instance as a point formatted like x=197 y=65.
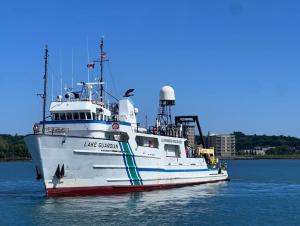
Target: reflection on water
x=100 y=209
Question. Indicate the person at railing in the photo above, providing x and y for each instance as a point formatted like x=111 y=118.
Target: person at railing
x=35 y=128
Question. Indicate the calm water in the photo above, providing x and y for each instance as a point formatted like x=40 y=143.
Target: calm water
x=264 y=192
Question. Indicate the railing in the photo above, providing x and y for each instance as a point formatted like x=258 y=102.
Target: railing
x=56 y=130
x=169 y=132
x=51 y=130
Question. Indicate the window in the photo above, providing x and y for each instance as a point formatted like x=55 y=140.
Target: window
x=144 y=141
x=88 y=116
x=172 y=150
x=118 y=136
x=82 y=115
x=124 y=137
x=75 y=115
x=56 y=116
x=69 y=116
x=94 y=116
x=62 y=116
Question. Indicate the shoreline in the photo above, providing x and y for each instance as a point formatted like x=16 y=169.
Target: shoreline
x=15 y=159
x=288 y=157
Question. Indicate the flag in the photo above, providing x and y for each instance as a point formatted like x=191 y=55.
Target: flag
x=90 y=65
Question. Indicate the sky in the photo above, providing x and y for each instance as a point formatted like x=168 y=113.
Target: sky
x=234 y=63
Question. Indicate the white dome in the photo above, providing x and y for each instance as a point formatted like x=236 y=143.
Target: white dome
x=167 y=93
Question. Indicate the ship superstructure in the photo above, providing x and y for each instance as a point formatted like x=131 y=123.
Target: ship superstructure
x=90 y=146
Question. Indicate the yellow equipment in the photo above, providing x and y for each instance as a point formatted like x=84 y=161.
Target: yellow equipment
x=208 y=154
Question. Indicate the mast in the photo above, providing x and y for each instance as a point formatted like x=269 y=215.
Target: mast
x=101 y=70
x=45 y=88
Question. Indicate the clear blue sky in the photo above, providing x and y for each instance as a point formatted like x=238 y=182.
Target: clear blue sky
x=234 y=63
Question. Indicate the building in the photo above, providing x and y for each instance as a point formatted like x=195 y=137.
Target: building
x=255 y=151
x=190 y=135
x=224 y=144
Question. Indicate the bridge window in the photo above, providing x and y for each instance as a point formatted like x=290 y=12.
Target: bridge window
x=82 y=115
x=69 y=116
x=88 y=116
x=56 y=116
x=62 y=116
x=144 y=141
x=75 y=115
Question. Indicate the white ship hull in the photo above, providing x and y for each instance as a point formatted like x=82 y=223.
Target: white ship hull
x=100 y=166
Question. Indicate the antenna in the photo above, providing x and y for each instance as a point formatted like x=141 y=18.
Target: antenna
x=60 y=68
x=72 y=69
x=52 y=86
x=101 y=69
x=88 y=58
x=45 y=88
x=61 y=86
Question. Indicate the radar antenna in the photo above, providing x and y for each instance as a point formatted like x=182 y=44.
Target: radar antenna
x=166 y=101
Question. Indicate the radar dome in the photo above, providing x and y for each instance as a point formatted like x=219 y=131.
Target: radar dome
x=167 y=94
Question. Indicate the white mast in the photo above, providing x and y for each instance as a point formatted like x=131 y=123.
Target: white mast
x=61 y=76
x=72 y=69
x=61 y=86
x=52 y=86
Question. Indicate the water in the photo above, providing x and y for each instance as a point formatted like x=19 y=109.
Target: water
x=263 y=192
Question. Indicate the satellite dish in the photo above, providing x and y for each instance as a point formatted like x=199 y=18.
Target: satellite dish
x=128 y=93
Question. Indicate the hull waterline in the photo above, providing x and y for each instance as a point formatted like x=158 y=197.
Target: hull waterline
x=110 y=190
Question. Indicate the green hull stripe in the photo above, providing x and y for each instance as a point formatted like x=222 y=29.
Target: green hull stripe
x=130 y=164
x=136 y=168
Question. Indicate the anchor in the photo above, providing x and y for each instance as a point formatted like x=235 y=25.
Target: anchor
x=60 y=172
x=38 y=174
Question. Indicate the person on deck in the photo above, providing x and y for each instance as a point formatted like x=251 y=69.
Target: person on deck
x=187 y=151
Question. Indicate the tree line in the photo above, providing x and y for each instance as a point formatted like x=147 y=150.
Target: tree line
x=279 y=145
x=13 y=147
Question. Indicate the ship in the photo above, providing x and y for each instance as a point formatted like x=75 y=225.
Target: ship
x=89 y=145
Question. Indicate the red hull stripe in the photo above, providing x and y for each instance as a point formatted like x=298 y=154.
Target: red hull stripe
x=108 y=190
